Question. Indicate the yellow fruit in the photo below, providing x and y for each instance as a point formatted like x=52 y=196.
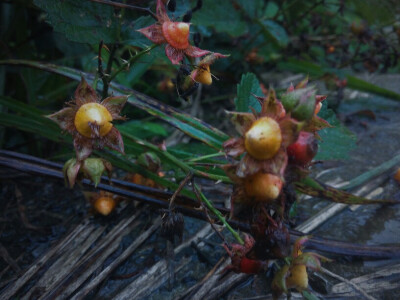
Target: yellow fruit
x=317 y=108
x=104 y=205
x=263 y=187
x=263 y=139
x=397 y=175
x=297 y=278
x=92 y=114
x=204 y=75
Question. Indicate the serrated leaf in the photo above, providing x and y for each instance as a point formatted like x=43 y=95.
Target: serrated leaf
x=89 y=22
x=248 y=86
x=221 y=16
x=337 y=141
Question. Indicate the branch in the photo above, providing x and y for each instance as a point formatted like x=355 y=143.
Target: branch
x=187 y=206
x=128 y=6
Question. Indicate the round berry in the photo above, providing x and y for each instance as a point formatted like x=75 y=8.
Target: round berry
x=104 y=205
x=264 y=138
x=263 y=187
x=303 y=150
x=93 y=114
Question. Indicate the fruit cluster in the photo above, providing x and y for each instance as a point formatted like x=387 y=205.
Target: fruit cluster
x=276 y=148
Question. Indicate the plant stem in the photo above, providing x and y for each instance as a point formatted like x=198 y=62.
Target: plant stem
x=179 y=163
x=206 y=156
x=128 y=6
x=349 y=282
x=131 y=60
x=372 y=173
x=217 y=213
x=179 y=189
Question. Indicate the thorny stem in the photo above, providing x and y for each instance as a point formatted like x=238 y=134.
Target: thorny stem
x=179 y=189
x=131 y=60
x=106 y=82
x=100 y=71
x=186 y=168
x=128 y=6
x=196 y=192
x=216 y=212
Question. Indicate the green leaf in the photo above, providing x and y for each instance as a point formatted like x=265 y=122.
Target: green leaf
x=336 y=142
x=252 y=8
x=314 y=70
x=221 y=16
x=193 y=127
x=309 y=296
x=143 y=130
x=315 y=188
x=275 y=33
x=248 y=86
x=309 y=260
x=89 y=22
x=375 y=11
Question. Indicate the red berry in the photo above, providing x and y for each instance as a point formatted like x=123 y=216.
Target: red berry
x=250 y=266
x=303 y=150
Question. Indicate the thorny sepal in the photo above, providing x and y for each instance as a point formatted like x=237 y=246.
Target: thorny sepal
x=114 y=105
x=70 y=171
x=174 y=34
x=278 y=284
x=84 y=93
x=114 y=141
x=241 y=120
x=264 y=138
x=294 y=274
x=310 y=260
x=201 y=73
x=89 y=121
x=62 y=117
x=92 y=168
x=150 y=161
x=249 y=166
x=242 y=264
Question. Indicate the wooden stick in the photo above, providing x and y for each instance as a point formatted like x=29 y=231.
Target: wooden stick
x=112 y=266
x=352 y=284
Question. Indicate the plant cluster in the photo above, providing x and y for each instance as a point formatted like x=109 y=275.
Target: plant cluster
x=279 y=132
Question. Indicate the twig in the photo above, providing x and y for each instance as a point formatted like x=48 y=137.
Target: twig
x=128 y=6
x=356 y=287
x=217 y=213
x=131 y=60
x=179 y=189
x=111 y=267
x=22 y=280
x=156 y=275
x=208 y=216
x=320 y=244
x=106 y=82
x=7 y=257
